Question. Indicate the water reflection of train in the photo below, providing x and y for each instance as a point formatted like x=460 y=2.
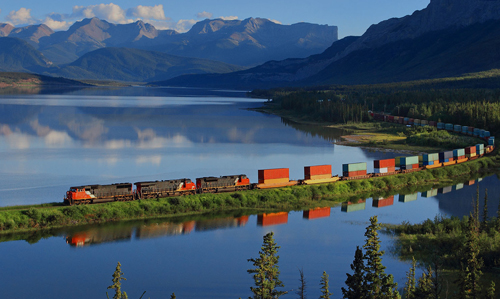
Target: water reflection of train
x=126 y=232
x=380 y=202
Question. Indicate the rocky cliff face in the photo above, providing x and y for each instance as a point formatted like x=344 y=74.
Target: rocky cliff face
x=438 y=15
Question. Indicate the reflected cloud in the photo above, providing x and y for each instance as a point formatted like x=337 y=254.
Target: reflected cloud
x=18 y=141
x=117 y=144
x=236 y=135
x=90 y=130
x=154 y=160
x=57 y=138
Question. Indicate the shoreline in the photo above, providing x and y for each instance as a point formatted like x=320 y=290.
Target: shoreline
x=286 y=199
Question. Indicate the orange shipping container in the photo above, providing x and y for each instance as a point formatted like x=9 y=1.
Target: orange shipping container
x=318 y=177
x=384 y=163
x=317 y=170
x=317 y=213
x=354 y=173
x=274 y=181
x=277 y=173
x=272 y=219
x=470 y=150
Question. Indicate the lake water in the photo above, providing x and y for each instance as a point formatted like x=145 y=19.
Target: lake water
x=49 y=142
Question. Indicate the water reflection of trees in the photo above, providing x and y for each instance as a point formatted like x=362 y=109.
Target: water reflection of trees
x=329 y=134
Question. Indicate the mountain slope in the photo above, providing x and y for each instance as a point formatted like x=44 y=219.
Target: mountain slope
x=17 y=55
x=448 y=38
x=137 y=65
x=91 y=34
x=250 y=41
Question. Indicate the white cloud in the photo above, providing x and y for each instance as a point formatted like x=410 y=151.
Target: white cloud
x=229 y=18
x=22 y=16
x=110 y=12
x=184 y=25
x=147 y=12
x=204 y=15
x=56 y=25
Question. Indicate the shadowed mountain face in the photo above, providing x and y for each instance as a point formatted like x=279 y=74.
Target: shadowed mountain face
x=248 y=42
x=19 y=56
x=123 y=64
x=448 y=38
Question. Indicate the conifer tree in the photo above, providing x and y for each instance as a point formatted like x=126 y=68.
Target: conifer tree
x=410 y=282
x=425 y=286
x=355 y=282
x=302 y=287
x=491 y=291
x=471 y=265
x=117 y=277
x=172 y=296
x=484 y=221
x=377 y=284
x=266 y=271
x=325 y=289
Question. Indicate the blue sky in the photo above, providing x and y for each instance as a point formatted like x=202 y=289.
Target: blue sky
x=352 y=16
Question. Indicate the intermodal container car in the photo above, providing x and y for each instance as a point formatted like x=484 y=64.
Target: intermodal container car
x=408 y=197
x=318 y=172
x=446 y=156
x=440 y=126
x=448 y=127
x=432 y=123
x=273 y=176
x=459 y=153
x=457 y=128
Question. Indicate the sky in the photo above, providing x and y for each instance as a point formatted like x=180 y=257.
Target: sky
x=352 y=17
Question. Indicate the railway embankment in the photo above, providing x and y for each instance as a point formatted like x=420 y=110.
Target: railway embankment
x=34 y=218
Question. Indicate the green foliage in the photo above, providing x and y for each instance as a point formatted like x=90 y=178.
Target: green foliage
x=425 y=286
x=376 y=283
x=410 y=284
x=117 y=278
x=325 y=288
x=355 y=282
x=266 y=271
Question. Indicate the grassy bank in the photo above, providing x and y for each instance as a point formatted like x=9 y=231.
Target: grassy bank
x=282 y=199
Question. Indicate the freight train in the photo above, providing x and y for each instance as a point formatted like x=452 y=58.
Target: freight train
x=279 y=177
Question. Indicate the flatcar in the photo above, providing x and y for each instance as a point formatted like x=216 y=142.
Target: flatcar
x=99 y=193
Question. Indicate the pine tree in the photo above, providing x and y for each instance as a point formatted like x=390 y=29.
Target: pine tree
x=302 y=287
x=484 y=221
x=172 y=296
x=410 y=282
x=471 y=265
x=117 y=277
x=325 y=291
x=377 y=284
x=355 y=282
x=491 y=291
x=266 y=271
x=425 y=286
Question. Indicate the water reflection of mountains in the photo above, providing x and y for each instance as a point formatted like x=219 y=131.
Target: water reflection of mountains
x=164 y=126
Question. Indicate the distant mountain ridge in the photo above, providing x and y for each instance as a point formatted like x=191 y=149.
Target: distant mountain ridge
x=448 y=38
x=242 y=42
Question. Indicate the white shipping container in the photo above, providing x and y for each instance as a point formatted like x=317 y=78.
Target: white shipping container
x=381 y=170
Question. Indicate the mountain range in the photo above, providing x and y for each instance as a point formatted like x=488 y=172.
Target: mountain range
x=241 y=42
x=447 y=38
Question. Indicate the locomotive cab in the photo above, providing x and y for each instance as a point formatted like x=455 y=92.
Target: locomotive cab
x=77 y=194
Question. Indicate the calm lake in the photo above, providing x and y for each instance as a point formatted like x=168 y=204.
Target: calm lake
x=51 y=141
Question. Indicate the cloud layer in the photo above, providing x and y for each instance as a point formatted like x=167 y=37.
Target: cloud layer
x=111 y=12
